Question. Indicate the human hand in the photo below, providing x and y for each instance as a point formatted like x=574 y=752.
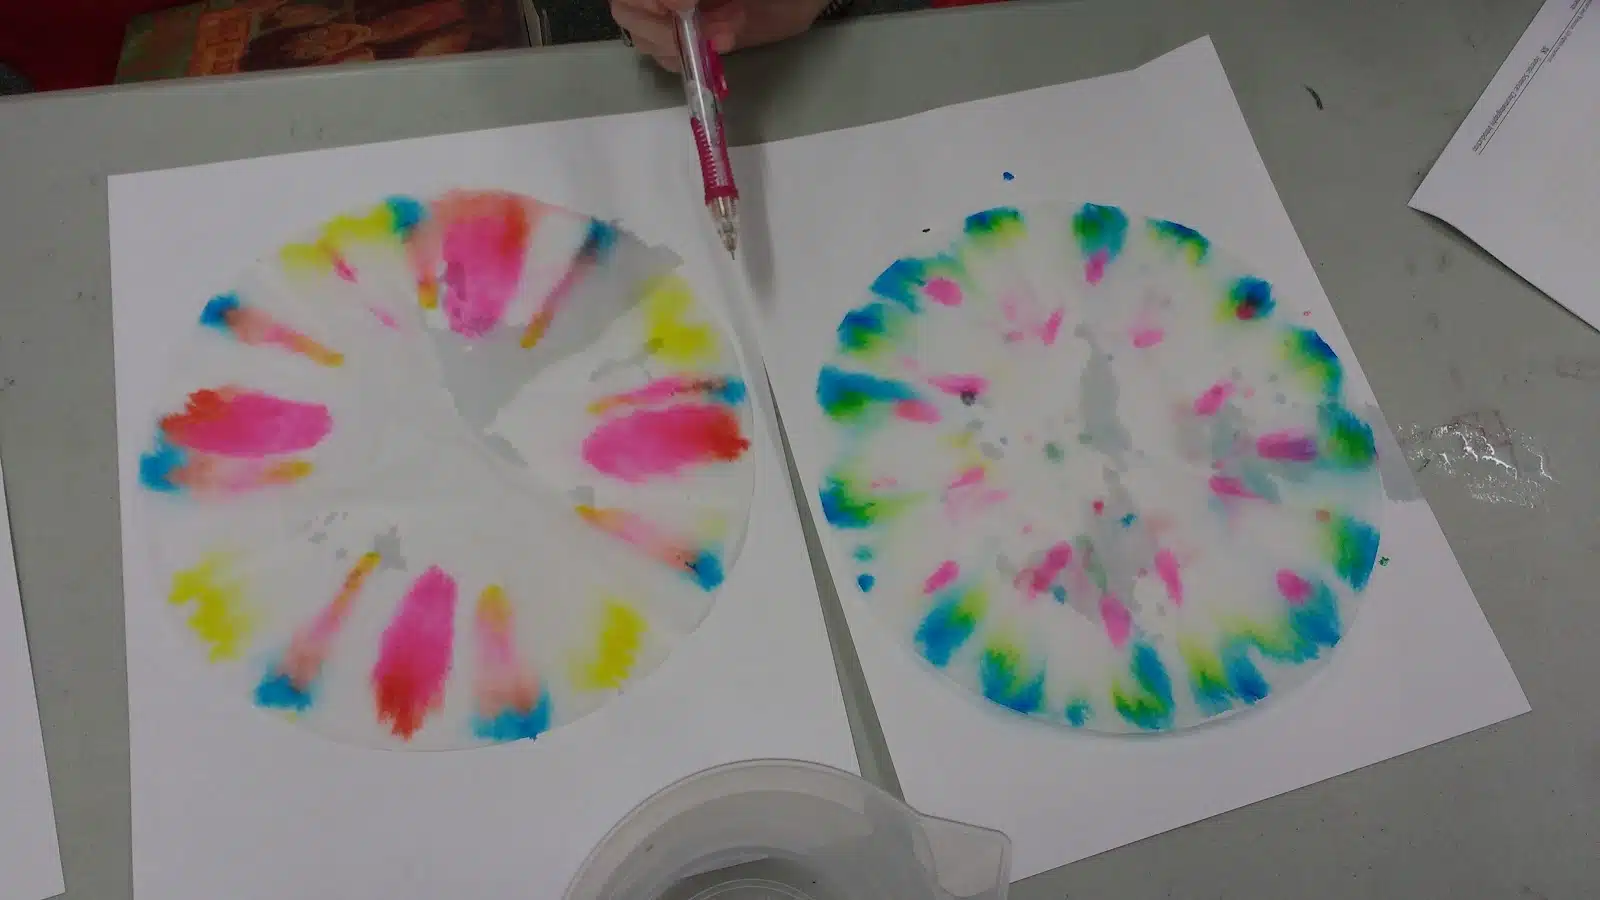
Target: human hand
x=729 y=24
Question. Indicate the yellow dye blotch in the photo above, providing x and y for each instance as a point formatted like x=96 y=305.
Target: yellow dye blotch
x=219 y=614
x=494 y=608
x=307 y=257
x=622 y=631
x=669 y=334
x=376 y=225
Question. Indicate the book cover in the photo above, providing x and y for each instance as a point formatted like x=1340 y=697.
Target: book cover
x=219 y=37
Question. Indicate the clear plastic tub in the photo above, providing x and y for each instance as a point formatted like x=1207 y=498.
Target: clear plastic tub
x=786 y=830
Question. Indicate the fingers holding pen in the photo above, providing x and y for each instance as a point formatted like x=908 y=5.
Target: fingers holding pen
x=652 y=25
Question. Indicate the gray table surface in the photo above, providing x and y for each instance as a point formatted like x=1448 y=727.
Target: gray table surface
x=1490 y=385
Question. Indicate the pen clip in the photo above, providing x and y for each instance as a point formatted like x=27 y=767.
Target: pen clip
x=719 y=82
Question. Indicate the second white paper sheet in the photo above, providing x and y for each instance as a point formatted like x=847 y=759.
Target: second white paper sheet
x=228 y=802
x=30 y=860
x=1420 y=663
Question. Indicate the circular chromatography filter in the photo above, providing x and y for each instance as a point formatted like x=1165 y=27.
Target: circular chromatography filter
x=445 y=472
x=1088 y=466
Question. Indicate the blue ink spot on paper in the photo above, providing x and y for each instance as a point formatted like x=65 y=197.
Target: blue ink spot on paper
x=277 y=691
x=1128 y=520
x=732 y=392
x=407 y=213
x=1078 y=713
x=215 y=315
x=1008 y=176
x=899 y=281
x=706 y=570
x=865 y=582
x=514 y=725
x=157 y=466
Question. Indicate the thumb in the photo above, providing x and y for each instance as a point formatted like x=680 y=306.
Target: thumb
x=724 y=23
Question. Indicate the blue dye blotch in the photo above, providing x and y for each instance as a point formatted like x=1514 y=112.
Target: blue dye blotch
x=1001 y=683
x=1213 y=697
x=732 y=391
x=215 y=315
x=861 y=328
x=706 y=571
x=842 y=508
x=156 y=467
x=1008 y=176
x=944 y=629
x=865 y=582
x=1128 y=520
x=1152 y=708
x=514 y=725
x=598 y=241
x=1000 y=222
x=846 y=396
x=1100 y=229
x=1183 y=236
x=408 y=214
x=1244 y=678
x=278 y=691
x=1059 y=593
x=1078 y=713
x=1316 y=621
x=1251 y=298
x=1357 y=552
x=900 y=281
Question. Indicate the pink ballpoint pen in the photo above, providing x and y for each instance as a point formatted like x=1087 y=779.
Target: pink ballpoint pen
x=703 y=89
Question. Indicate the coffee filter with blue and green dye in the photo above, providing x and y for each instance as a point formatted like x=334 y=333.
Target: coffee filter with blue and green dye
x=1094 y=469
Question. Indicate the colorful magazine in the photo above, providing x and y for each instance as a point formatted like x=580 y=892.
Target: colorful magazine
x=220 y=37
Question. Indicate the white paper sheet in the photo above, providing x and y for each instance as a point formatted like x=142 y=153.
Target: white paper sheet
x=228 y=802
x=1420 y=664
x=1521 y=177
x=30 y=861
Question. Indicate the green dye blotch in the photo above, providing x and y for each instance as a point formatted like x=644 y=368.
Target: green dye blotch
x=1352 y=547
x=870 y=330
x=1000 y=674
x=1343 y=440
x=1193 y=244
x=1147 y=703
x=1310 y=356
x=995 y=227
x=1053 y=452
x=846 y=503
x=1100 y=229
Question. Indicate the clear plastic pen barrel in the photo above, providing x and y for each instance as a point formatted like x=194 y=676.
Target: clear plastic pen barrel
x=704 y=88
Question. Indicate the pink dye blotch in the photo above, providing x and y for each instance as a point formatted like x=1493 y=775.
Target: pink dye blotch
x=1291 y=446
x=671 y=387
x=943 y=291
x=956 y=385
x=309 y=647
x=1035 y=580
x=242 y=423
x=414 y=654
x=1294 y=589
x=917 y=411
x=1228 y=486
x=661 y=443
x=1145 y=338
x=1095 y=269
x=1117 y=620
x=942 y=577
x=1167 y=571
x=1208 y=403
x=968 y=495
